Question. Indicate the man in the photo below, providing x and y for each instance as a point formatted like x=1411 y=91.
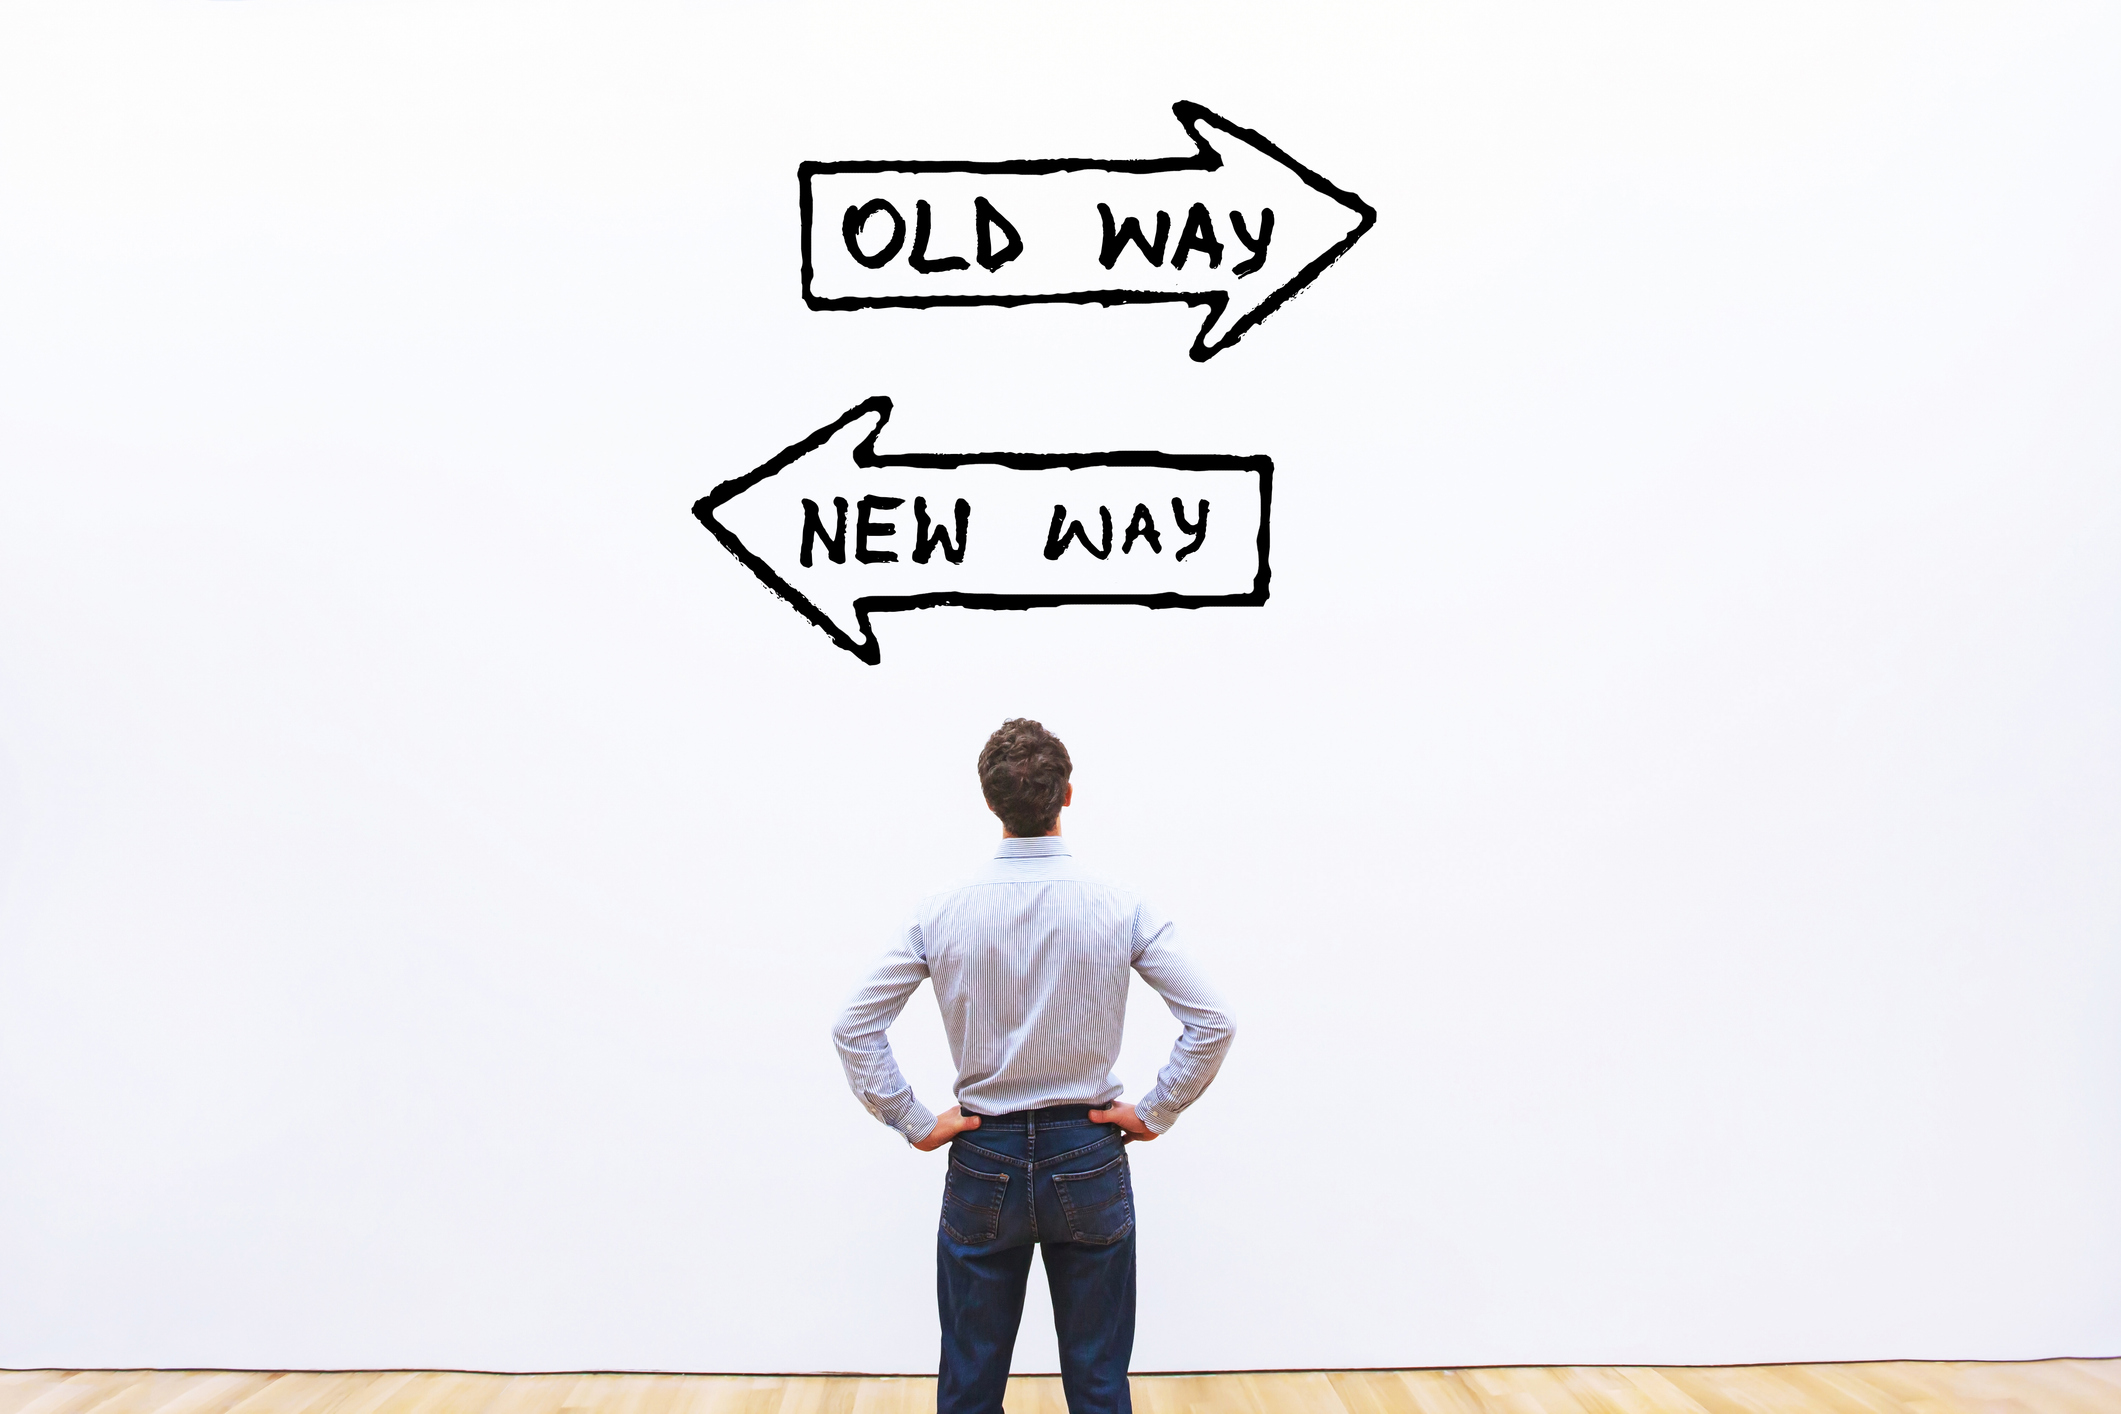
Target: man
x=1030 y=964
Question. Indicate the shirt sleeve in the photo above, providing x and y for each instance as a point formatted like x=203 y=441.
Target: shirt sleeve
x=1206 y=1028
x=865 y=1054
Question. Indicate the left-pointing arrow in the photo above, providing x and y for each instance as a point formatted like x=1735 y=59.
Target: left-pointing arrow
x=842 y=532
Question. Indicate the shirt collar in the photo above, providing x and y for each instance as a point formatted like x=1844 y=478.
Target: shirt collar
x=1037 y=847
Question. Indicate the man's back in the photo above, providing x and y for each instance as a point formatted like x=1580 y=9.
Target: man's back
x=1030 y=964
x=1030 y=967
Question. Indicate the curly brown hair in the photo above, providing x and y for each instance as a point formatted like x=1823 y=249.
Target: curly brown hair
x=1023 y=772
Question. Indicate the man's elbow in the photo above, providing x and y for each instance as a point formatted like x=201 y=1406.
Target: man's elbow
x=1219 y=1030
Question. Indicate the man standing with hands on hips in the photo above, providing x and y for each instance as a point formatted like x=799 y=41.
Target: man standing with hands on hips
x=1030 y=962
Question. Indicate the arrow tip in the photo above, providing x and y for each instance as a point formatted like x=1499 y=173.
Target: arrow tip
x=849 y=437
x=1316 y=220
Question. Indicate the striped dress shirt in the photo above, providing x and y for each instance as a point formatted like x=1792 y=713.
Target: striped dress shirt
x=1030 y=963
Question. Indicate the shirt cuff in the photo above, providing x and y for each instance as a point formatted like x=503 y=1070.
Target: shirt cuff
x=908 y=1116
x=1156 y=1113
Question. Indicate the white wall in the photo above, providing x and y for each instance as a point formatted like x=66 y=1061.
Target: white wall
x=1662 y=839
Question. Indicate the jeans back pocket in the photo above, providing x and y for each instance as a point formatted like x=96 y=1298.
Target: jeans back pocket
x=972 y=1203
x=1099 y=1208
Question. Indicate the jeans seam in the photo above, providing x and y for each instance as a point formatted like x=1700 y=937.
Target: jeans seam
x=1031 y=1172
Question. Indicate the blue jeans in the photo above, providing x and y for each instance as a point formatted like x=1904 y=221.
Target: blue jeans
x=1052 y=1178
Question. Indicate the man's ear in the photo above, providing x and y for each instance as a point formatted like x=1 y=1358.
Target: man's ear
x=1068 y=796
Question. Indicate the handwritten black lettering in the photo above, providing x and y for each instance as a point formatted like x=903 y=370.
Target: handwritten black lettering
x=866 y=529
x=813 y=527
x=1198 y=235
x=1198 y=530
x=923 y=224
x=988 y=221
x=1056 y=542
x=858 y=217
x=924 y=544
x=1258 y=257
x=1115 y=242
x=1141 y=526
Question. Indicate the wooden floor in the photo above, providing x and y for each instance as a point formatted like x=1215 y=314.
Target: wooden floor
x=2038 y=1387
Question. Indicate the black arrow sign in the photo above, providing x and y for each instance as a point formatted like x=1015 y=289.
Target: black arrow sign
x=842 y=532
x=1239 y=227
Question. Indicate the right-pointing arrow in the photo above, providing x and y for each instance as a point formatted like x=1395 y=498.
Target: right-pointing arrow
x=1238 y=227
x=841 y=532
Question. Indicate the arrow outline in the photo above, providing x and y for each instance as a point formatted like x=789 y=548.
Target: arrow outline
x=869 y=649
x=1190 y=116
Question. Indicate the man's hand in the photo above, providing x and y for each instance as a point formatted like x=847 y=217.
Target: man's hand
x=948 y=1125
x=1122 y=1114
